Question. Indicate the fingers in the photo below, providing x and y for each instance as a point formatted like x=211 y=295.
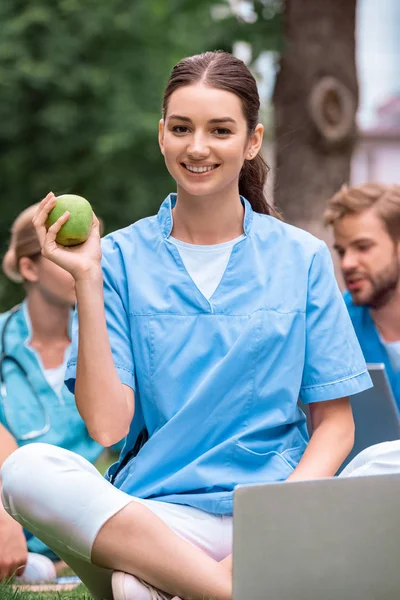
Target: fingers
x=55 y=228
x=40 y=218
x=10 y=569
x=95 y=230
x=44 y=208
x=50 y=237
x=47 y=237
x=95 y=225
x=20 y=570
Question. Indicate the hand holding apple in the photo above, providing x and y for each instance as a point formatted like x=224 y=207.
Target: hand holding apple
x=69 y=234
x=76 y=230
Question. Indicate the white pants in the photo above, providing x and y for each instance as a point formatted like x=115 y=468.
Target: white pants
x=380 y=459
x=63 y=500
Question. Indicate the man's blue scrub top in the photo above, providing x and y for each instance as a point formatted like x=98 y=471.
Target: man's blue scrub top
x=217 y=381
x=371 y=345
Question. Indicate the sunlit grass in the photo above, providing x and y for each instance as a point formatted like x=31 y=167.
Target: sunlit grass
x=8 y=592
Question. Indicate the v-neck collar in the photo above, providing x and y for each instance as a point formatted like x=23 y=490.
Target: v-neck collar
x=166 y=221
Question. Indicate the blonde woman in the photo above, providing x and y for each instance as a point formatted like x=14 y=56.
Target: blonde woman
x=35 y=406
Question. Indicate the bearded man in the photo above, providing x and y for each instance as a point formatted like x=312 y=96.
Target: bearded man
x=366 y=227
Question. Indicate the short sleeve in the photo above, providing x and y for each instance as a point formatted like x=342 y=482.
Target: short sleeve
x=117 y=319
x=334 y=365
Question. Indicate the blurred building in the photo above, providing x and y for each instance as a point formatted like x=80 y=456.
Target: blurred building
x=377 y=153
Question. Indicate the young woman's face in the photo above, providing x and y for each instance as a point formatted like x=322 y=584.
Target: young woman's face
x=56 y=285
x=204 y=139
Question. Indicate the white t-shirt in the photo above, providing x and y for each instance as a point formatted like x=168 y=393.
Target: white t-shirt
x=393 y=350
x=206 y=264
x=55 y=377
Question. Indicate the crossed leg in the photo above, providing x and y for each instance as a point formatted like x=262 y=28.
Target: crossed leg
x=96 y=528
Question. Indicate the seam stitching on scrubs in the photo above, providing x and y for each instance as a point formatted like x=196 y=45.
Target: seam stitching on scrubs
x=291 y=450
x=150 y=381
x=252 y=387
x=319 y=385
x=74 y=364
x=221 y=314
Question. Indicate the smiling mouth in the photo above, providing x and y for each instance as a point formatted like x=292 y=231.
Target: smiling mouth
x=199 y=170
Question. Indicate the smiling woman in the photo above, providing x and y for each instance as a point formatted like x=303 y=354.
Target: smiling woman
x=201 y=152
x=197 y=87
x=190 y=343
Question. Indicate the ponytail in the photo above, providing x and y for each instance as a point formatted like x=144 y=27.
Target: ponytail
x=252 y=183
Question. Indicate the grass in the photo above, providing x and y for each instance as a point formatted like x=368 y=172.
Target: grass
x=7 y=590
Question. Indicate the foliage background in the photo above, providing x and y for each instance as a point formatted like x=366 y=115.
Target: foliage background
x=81 y=84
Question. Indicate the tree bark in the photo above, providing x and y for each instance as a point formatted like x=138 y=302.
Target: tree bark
x=315 y=100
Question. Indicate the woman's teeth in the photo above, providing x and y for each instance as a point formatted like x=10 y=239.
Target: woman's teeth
x=199 y=169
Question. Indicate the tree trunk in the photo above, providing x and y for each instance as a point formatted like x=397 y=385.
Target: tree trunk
x=315 y=99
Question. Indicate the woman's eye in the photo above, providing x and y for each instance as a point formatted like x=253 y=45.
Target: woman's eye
x=222 y=131
x=180 y=129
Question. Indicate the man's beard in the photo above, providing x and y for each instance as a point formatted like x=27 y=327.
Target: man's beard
x=384 y=286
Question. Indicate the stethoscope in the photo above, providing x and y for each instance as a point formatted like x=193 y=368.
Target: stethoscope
x=3 y=388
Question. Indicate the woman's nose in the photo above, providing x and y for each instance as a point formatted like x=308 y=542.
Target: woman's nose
x=198 y=147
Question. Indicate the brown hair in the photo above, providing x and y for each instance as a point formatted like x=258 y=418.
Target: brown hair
x=385 y=199
x=226 y=72
x=24 y=242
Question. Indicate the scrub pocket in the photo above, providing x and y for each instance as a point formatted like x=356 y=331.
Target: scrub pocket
x=254 y=467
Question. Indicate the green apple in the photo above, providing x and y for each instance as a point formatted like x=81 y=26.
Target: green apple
x=76 y=230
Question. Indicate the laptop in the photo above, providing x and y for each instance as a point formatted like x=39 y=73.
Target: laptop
x=375 y=412
x=327 y=539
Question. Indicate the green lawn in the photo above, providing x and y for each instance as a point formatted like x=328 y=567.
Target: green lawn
x=7 y=592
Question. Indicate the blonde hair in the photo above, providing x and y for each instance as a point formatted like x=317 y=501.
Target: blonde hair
x=24 y=242
x=385 y=199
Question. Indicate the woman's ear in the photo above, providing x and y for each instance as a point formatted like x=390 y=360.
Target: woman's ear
x=28 y=269
x=161 y=135
x=255 y=142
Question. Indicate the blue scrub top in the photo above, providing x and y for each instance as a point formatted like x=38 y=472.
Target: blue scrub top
x=371 y=345
x=24 y=413
x=217 y=381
